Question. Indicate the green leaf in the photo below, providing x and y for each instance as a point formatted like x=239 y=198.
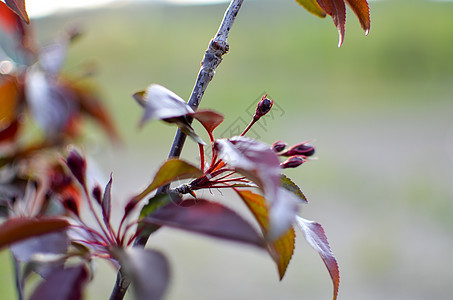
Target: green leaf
x=313 y=7
x=173 y=169
x=157 y=202
x=18 y=229
x=292 y=187
x=281 y=250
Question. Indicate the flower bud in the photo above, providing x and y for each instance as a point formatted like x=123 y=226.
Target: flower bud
x=77 y=164
x=263 y=107
x=300 y=149
x=71 y=205
x=292 y=162
x=279 y=146
x=97 y=194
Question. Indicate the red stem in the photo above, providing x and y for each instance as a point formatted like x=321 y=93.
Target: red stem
x=201 y=148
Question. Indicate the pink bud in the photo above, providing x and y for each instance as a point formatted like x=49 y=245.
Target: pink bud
x=263 y=107
x=279 y=146
x=97 y=194
x=292 y=162
x=300 y=149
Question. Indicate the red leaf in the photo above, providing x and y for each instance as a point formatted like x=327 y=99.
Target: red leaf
x=149 y=270
x=337 y=10
x=10 y=21
x=362 y=10
x=280 y=250
x=316 y=237
x=63 y=284
x=91 y=105
x=18 y=229
x=18 y=6
x=9 y=133
x=209 y=119
x=209 y=218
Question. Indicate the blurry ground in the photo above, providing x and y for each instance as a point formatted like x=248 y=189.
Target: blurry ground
x=380 y=110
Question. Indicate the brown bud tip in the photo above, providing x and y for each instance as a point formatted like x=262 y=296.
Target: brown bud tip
x=71 y=205
x=300 y=149
x=97 y=194
x=292 y=162
x=77 y=164
x=279 y=146
x=263 y=107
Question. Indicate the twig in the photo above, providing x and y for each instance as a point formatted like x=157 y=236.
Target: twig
x=218 y=47
x=213 y=57
x=19 y=282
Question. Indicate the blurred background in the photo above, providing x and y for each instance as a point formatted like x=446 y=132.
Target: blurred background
x=379 y=111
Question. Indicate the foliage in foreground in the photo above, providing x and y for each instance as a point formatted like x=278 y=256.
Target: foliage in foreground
x=58 y=219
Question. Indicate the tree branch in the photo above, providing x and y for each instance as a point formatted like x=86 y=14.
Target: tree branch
x=213 y=56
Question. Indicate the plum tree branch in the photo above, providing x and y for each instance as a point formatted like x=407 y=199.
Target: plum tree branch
x=213 y=56
x=218 y=47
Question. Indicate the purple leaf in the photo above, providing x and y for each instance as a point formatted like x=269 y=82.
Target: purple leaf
x=63 y=284
x=51 y=104
x=51 y=243
x=161 y=103
x=316 y=237
x=53 y=56
x=209 y=218
x=149 y=270
x=106 y=202
x=258 y=162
